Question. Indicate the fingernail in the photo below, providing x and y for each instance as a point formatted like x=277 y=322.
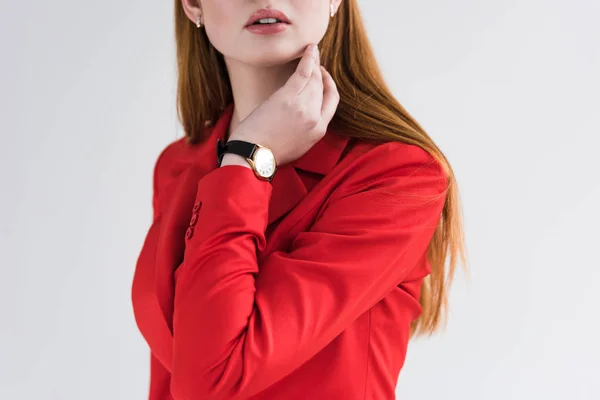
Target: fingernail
x=315 y=49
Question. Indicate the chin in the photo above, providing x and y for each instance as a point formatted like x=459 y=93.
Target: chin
x=272 y=57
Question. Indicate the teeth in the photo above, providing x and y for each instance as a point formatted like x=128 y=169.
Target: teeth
x=267 y=21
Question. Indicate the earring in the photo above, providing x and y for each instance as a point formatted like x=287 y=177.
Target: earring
x=331 y=9
x=199 y=21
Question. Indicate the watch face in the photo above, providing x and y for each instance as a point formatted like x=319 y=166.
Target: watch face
x=264 y=162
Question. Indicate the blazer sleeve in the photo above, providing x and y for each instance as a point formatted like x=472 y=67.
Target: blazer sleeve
x=159 y=376
x=160 y=379
x=238 y=326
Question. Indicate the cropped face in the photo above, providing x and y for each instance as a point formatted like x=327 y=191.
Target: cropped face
x=279 y=37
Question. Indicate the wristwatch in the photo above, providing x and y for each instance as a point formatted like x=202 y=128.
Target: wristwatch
x=260 y=158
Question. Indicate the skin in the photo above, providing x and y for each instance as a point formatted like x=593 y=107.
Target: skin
x=283 y=98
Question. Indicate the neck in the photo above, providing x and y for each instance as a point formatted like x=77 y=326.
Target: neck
x=252 y=85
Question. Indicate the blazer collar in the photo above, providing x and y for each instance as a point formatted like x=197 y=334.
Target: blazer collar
x=288 y=188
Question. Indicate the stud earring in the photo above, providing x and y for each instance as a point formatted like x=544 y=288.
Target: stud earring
x=331 y=9
x=199 y=22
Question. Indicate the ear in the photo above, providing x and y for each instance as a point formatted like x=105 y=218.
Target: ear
x=192 y=9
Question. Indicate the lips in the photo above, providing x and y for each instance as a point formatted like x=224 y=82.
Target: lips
x=264 y=13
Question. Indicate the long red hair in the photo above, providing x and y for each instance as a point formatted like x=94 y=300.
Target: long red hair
x=367 y=110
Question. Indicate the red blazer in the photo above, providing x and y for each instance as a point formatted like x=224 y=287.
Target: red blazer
x=301 y=288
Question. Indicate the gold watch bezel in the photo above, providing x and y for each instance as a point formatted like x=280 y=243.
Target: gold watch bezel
x=253 y=164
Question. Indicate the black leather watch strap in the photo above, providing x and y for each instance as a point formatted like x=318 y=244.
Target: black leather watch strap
x=239 y=147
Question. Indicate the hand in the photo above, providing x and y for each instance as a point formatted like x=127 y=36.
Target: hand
x=296 y=116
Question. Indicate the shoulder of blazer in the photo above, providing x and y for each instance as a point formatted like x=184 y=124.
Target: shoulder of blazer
x=175 y=158
x=178 y=156
x=377 y=163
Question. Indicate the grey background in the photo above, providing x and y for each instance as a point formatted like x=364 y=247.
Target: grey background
x=508 y=89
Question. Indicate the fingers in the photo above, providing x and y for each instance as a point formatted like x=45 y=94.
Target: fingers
x=313 y=91
x=315 y=85
x=304 y=70
x=331 y=97
x=317 y=75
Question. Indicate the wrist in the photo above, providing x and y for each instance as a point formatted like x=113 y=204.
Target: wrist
x=234 y=159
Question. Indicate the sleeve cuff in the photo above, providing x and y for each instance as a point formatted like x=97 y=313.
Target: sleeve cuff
x=232 y=197
x=233 y=179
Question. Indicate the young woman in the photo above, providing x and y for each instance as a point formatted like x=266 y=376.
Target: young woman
x=302 y=225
